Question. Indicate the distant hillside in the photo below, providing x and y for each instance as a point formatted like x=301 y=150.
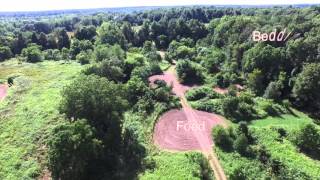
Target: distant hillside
x=128 y=10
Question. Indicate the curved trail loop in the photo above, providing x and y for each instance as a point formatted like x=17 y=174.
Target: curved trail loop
x=169 y=136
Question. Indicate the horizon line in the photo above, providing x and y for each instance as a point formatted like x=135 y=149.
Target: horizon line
x=159 y=6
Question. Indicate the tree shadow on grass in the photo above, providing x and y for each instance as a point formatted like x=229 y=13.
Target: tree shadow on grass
x=133 y=154
x=312 y=154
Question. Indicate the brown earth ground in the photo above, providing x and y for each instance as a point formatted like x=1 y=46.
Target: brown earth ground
x=225 y=90
x=3 y=91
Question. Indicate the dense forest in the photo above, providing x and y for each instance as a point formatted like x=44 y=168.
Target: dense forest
x=101 y=111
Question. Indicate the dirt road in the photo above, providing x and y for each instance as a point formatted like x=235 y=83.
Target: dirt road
x=205 y=143
x=202 y=138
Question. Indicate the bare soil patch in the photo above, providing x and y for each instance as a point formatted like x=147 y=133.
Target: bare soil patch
x=220 y=90
x=225 y=90
x=170 y=78
x=3 y=91
x=175 y=131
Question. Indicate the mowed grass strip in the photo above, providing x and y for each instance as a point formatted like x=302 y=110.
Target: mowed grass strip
x=287 y=121
x=29 y=113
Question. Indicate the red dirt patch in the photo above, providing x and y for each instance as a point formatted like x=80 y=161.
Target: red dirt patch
x=220 y=90
x=239 y=87
x=225 y=90
x=185 y=129
x=170 y=79
x=3 y=91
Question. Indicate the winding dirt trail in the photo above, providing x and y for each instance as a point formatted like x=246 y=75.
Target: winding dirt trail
x=198 y=139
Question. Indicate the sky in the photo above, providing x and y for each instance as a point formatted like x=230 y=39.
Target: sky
x=38 y=5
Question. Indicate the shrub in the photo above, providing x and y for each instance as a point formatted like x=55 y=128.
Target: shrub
x=160 y=83
x=141 y=72
x=238 y=174
x=223 y=79
x=83 y=57
x=112 y=69
x=273 y=91
x=153 y=56
x=213 y=60
x=222 y=138
x=269 y=107
x=282 y=132
x=110 y=33
x=52 y=54
x=144 y=105
x=308 y=140
x=232 y=90
x=136 y=89
x=155 y=69
x=99 y=101
x=237 y=109
x=197 y=93
x=103 y=52
x=189 y=72
x=306 y=88
x=201 y=92
x=133 y=148
x=10 y=81
x=73 y=148
x=255 y=81
x=162 y=94
x=5 y=53
x=205 y=169
x=32 y=53
x=77 y=46
x=243 y=128
x=184 y=52
x=262 y=154
x=241 y=144
x=245 y=111
x=240 y=108
x=286 y=173
x=229 y=106
x=212 y=105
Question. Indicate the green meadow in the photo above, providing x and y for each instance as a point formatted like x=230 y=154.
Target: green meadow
x=281 y=151
x=29 y=113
